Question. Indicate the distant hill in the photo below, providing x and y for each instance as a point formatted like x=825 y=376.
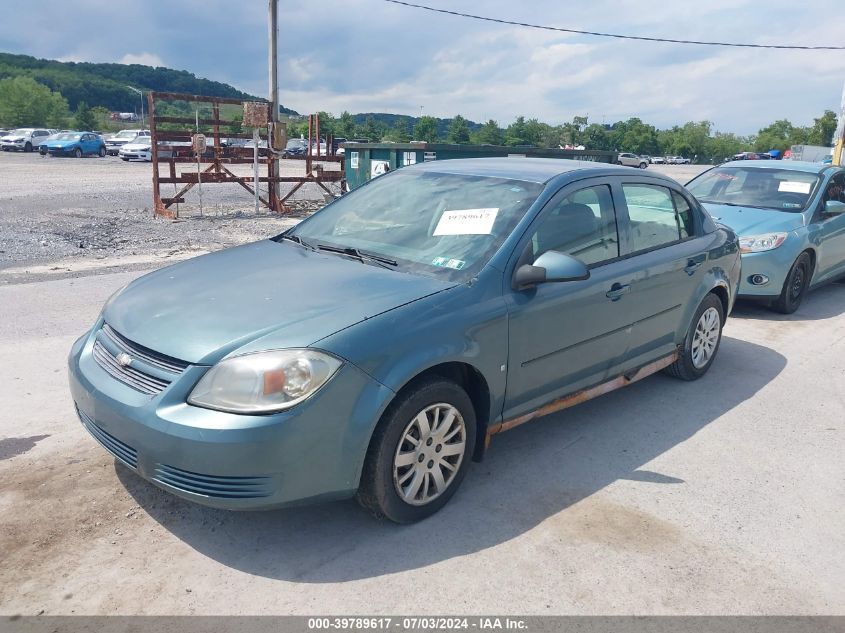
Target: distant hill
x=390 y=119
x=105 y=84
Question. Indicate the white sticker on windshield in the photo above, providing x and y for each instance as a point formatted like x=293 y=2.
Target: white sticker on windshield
x=794 y=187
x=466 y=222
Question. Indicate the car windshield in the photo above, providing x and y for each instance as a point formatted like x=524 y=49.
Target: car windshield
x=445 y=225
x=23 y=131
x=69 y=137
x=770 y=188
x=126 y=134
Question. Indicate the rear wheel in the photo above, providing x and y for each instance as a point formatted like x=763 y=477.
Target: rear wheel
x=419 y=453
x=618 y=162
x=702 y=341
x=795 y=286
x=102 y=152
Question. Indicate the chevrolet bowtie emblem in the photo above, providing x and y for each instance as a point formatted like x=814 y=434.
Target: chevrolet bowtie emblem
x=124 y=359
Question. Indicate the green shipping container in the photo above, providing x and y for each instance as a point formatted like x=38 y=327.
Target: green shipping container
x=363 y=161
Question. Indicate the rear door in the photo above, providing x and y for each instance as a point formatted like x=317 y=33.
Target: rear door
x=668 y=253
x=564 y=336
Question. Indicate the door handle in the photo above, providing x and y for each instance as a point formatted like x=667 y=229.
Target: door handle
x=617 y=290
x=693 y=264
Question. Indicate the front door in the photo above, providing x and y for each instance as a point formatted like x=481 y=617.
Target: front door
x=565 y=336
x=828 y=232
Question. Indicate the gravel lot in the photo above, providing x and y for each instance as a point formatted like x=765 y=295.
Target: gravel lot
x=68 y=216
x=63 y=217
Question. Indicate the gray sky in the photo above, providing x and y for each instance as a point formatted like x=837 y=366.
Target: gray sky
x=368 y=55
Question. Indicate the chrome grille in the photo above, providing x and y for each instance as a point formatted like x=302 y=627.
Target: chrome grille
x=127 y=375
x=121 y=450
x=139 y=351
x=145 y=370
x=213 y=485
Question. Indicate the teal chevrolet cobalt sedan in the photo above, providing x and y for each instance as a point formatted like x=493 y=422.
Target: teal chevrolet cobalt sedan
x=377 y=347
x=790 y=218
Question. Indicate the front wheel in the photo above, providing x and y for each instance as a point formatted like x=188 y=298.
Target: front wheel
x=77 y=153
x=795 y=286
x=701 y=342
x=28 y=147
x=419 y=452
x=643 y=165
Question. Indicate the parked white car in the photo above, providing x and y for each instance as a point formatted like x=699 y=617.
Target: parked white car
x=25 y=139
x=631 y=160
x=139 y=149
x=116 y=141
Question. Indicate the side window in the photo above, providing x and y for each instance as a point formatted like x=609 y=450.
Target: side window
x=654 y=220
x=686 y=222
x=583 y=225
x=835 y=189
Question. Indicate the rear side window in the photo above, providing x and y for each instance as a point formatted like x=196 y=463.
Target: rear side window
x=582 y=224
x=654 y=219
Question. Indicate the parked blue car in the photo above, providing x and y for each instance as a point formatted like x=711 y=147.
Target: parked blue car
x=76 y=144
x=375 y=348
x=790 y=217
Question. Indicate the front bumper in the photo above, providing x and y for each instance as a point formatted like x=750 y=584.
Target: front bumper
x=16 y=146
x=60 y=151
x=314 y=451
x=130 y=155
x=774 y=265
x=113 y=149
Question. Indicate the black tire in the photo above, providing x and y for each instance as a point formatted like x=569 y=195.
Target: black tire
x=28 y=147
x=643 y=165
x=685 y=366
x=618 y=162
x=795 y=286
x=378 y=490
x=102 y=152
x=77 y=153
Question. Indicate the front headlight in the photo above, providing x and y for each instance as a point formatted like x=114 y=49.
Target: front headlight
x=759 y=243
x=264 y=382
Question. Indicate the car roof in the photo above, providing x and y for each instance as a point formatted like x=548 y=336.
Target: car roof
x=793 y=165
x=539 y=170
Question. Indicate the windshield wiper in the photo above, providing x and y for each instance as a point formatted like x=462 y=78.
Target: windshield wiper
x=363 y=256
x=736 y=204
x=297 y=240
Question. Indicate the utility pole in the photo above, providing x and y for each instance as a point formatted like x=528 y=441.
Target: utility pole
x=141 y=94
x=274 y=103
x=839 y=136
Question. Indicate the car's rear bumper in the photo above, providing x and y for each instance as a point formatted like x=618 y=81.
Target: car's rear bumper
x=313 y=451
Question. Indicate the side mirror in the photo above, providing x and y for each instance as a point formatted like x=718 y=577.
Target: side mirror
x=551 y=266
x=834 y=207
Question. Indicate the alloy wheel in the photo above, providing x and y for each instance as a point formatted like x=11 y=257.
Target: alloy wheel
x=429 y=454
x=706 y=337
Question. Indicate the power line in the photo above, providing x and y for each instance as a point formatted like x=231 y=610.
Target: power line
x=615 y=35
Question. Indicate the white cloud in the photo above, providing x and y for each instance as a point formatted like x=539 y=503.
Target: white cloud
x=145 y=59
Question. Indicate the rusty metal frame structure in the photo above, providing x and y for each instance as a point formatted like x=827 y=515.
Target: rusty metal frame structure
x=215 y=160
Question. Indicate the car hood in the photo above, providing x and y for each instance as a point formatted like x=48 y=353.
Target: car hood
x=751 y=221
x=202 y=309
x=12 y=138
x=134 y=146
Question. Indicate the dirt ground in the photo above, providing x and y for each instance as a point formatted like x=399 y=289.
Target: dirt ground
x=65 y=216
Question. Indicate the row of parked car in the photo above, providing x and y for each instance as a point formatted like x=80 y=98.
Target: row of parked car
x=644 y=160
x=430 y=309
x=128 y=144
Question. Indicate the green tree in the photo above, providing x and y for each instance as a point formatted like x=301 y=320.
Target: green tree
x=458 y=130
x=25 y=102
x=84 y=117
x=823 y=128
x=490 y=134
x=400 y=132
x=372 y=130
x=426 y=129
x=596 y=137
x=346 y=125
